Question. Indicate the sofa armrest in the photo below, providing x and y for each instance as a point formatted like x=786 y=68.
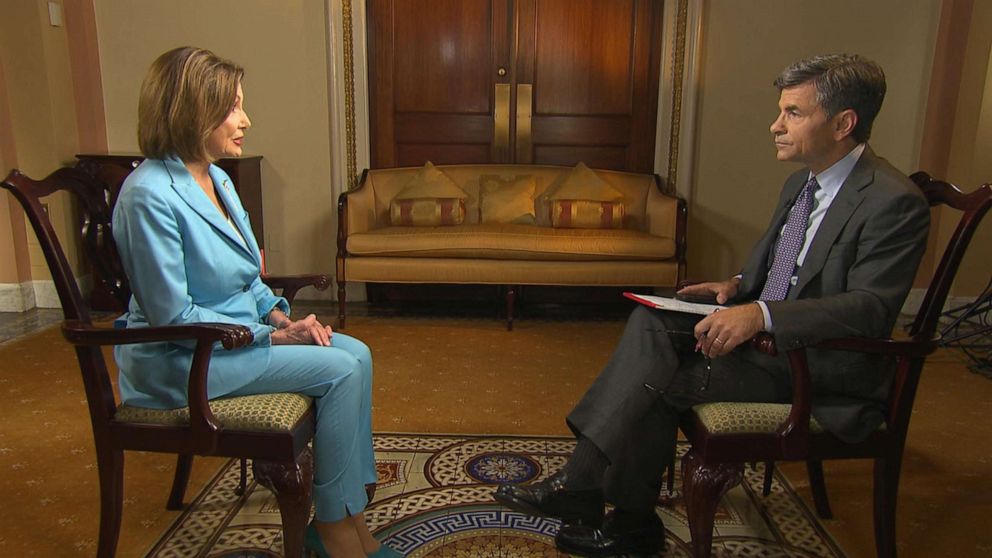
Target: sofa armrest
x=356 y=208
x=666 y=216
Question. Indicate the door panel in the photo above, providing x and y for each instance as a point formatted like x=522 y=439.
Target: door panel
x=582 y=56
x=579 y=81
x=431 y=80
x=594 y=68
x=442 y=56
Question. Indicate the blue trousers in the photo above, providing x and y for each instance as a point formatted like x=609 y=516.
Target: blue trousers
x=339 y=378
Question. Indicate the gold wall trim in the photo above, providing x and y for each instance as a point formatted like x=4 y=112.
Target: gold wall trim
x=678 y=78
x=349 y=92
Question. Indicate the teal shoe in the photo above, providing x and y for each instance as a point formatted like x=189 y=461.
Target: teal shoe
x=313 y=545
x=385 y=552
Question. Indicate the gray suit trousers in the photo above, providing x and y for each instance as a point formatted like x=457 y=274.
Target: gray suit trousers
x=631 y=412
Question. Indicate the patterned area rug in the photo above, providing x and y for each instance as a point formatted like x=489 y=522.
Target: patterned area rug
x=434 y=499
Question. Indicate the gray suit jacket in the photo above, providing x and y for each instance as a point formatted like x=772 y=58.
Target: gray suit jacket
x=857 y=273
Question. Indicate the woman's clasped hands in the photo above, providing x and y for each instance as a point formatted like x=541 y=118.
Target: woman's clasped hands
x=308 y=331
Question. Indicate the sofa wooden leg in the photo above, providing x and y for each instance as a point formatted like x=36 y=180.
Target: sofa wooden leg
x=511 y=297
x=342 y=302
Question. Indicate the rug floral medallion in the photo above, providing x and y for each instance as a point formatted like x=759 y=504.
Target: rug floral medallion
x=434 y=500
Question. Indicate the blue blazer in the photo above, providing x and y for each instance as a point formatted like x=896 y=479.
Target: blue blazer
x=186 y=264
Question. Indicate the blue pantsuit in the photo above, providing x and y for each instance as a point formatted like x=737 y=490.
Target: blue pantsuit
x=187 y=264
x=340 y=379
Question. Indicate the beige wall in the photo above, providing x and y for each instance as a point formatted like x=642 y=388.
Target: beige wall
x=42 y=127
x=746 y=45
x=14 y=263
x=282 y=46
x=970 y=163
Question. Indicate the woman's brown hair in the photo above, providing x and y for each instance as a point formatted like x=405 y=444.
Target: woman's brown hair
x=186 y=94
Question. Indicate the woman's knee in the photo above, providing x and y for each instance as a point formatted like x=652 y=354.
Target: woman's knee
x=354 y=346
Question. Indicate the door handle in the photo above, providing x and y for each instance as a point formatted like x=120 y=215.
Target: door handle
x=501 y=123
x=525 y=94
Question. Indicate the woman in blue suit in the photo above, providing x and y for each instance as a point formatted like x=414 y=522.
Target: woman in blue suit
x=189 y=251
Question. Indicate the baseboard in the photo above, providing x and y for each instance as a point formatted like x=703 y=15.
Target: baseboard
x=36 y=294
x=355 y=292
x=46 y=295
x=915 y=300
x=17 y=297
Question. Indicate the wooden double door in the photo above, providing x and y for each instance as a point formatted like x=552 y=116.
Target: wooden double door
x=514 y=81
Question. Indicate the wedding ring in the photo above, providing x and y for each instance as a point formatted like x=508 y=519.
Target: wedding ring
x=718 y=340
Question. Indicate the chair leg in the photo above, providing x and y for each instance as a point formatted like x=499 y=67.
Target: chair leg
x=819 y=487
x=242 y=488
x=670 y=481
x=886 y=488
x=766 y=484
x=110 y=464
x=184 y=464
x=292 y=484
x=703 y=485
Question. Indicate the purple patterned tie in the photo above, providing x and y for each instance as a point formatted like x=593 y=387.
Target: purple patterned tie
x=780 y=277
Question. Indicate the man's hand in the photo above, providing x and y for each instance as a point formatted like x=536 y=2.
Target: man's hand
x=722 y=290
x=720 y=332
x=308 y=331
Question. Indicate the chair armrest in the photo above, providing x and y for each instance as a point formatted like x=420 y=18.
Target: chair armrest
x=911 y=347
x=203 y=425
x=795 y=430
x=230 y=336
x=291 y=284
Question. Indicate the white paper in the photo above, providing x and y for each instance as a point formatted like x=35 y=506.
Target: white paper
x=665 y=303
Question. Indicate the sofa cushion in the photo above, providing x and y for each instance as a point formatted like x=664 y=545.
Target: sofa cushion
x=586 y=214
x=431 y=212
x=582 y=183
x=430 y=183
x=510 y=241
x=507 y=200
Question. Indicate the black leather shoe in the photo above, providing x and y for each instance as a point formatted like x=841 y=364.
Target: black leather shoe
x=621 y=533
x=550 y=498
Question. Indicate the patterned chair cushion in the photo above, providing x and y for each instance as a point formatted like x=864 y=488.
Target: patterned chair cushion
x=270 y=412
x=746 y=418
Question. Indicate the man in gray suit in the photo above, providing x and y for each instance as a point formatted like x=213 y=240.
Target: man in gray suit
x=837 y=259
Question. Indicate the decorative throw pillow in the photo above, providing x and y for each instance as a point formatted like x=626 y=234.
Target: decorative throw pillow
x=582 y=183
x=507 y=201
x=427 y=212
x=430 y=183
x=586 y=214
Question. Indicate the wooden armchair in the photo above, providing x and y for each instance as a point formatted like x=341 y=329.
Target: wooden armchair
x=721 y=443
x=276 y=441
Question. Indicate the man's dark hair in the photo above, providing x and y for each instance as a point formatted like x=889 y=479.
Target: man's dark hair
x=842 y=81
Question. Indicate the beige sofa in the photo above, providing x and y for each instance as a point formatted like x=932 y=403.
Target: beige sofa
x=648 y=251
